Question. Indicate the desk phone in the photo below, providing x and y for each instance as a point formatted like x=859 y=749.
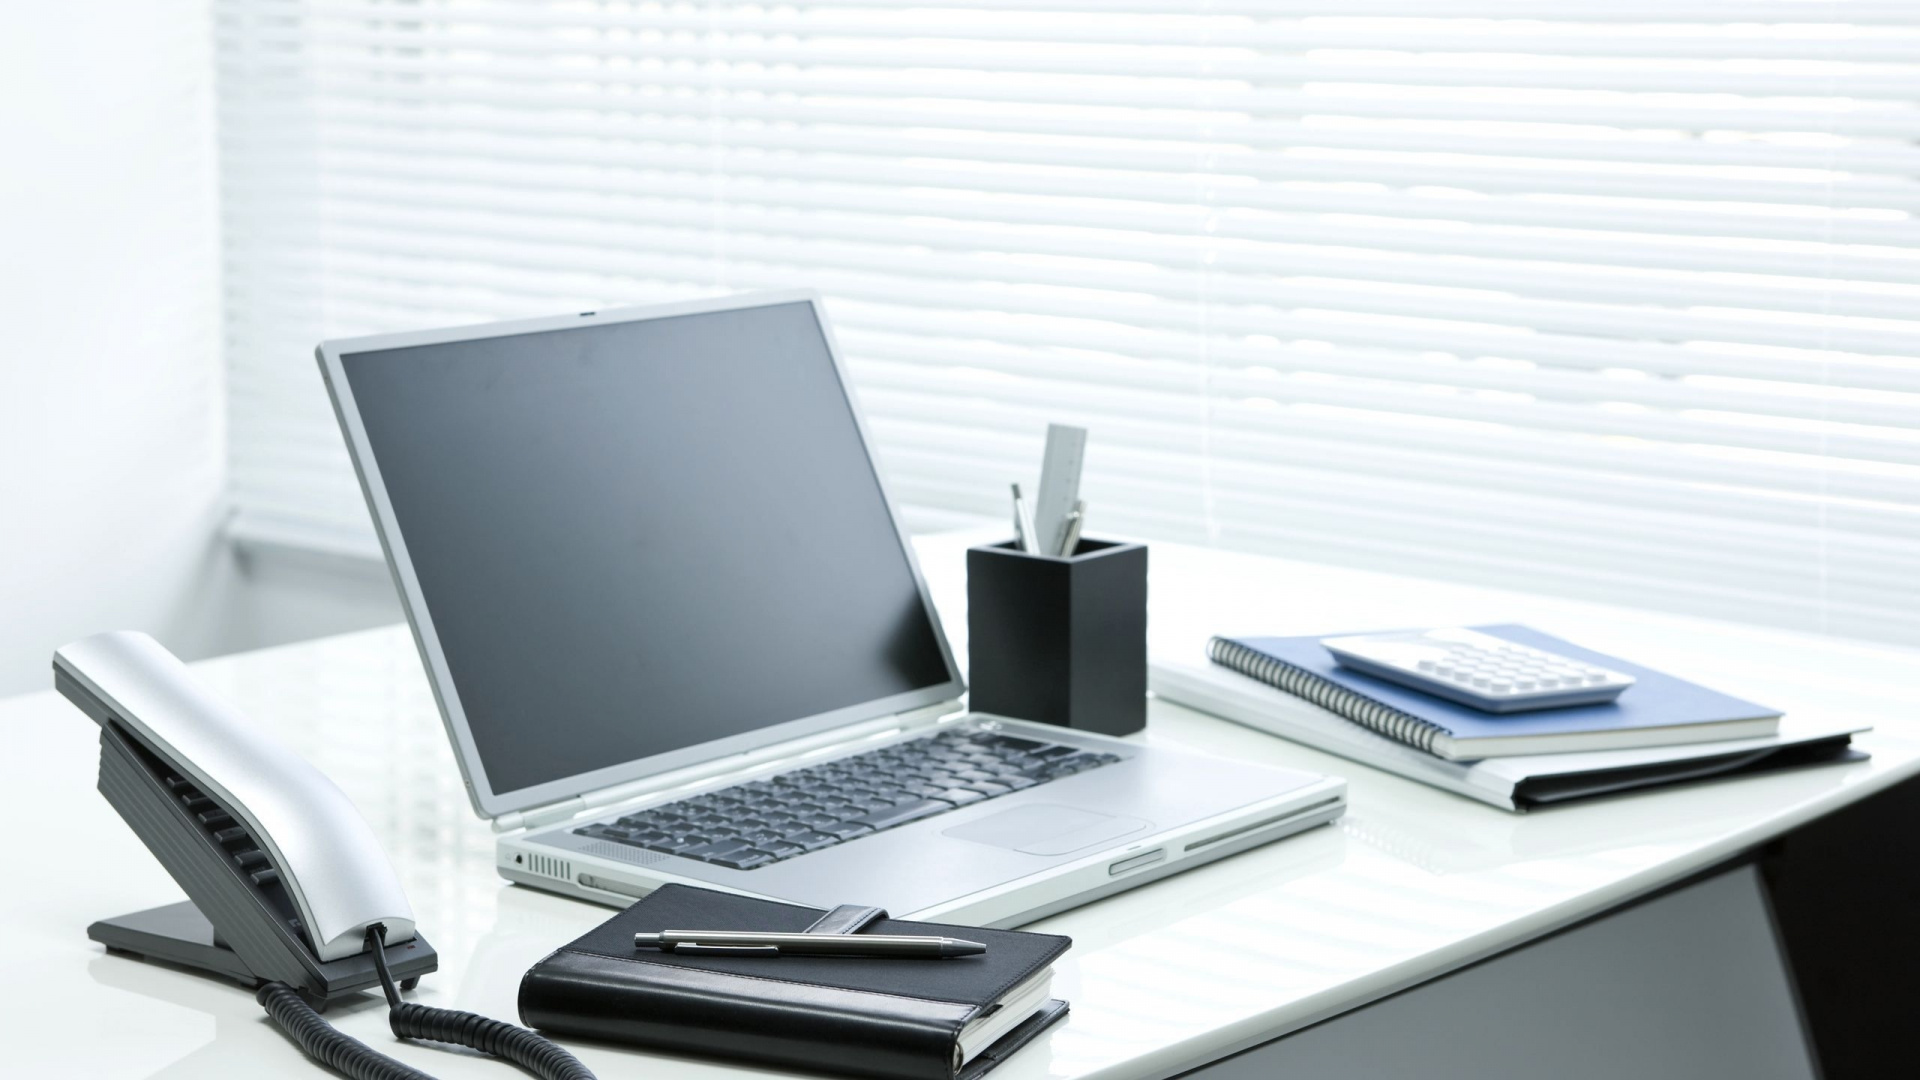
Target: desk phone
x=288 y=892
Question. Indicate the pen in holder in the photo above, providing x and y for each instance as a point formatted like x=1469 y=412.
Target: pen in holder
x=1059 y=640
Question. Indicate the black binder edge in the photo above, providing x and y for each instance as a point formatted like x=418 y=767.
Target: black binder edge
x=1006 y=1045
x=1540 y=791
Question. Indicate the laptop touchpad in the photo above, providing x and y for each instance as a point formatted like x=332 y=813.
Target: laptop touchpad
x=1047 y=829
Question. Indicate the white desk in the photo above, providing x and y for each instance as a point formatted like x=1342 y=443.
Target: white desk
x=1411 y=884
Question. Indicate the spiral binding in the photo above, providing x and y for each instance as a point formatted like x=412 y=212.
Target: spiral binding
x=1370 y=714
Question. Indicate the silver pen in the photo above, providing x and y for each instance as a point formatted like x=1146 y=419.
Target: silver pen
x=1071 y=537
x=1023 y=524
x=748 y=943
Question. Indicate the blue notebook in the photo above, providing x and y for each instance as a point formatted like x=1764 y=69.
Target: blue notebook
x=1658 y=710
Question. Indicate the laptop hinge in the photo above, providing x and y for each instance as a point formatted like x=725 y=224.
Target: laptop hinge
x=544 y=815
x=928 y=716
x=550 y=813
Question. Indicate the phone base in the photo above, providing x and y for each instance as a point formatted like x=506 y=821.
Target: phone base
x=179 y=934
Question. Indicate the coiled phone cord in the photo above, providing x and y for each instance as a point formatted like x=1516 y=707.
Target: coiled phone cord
x=337 y=1050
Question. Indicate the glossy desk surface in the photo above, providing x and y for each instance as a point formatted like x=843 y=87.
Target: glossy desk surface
x=1413 y=882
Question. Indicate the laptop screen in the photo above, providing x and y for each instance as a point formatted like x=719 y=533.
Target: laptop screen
x=635 y=537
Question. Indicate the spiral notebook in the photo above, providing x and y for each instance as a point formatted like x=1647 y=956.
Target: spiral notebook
x=1658 y=710
x=1510 y=783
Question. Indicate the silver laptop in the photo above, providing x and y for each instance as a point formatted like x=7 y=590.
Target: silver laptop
x=677 y=633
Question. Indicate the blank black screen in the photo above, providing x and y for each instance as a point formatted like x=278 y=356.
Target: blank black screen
x=635 y=537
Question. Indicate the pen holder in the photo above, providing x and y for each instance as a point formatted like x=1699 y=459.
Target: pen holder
x=1060 y=640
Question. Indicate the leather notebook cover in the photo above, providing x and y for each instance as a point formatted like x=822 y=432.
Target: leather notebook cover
x=857 y=1016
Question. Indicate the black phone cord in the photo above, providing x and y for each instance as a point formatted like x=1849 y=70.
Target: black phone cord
x=333 y=1048
x=327 y=1044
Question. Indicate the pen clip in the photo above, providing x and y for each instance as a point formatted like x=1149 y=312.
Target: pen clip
x=689 y=949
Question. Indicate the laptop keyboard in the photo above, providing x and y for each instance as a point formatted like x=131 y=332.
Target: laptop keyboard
x=765 y=821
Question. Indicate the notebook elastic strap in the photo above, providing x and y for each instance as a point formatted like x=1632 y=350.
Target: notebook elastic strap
x=846 y=919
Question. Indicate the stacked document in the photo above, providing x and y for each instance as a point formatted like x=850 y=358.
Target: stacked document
x=1665 y=730
x=1657 y=710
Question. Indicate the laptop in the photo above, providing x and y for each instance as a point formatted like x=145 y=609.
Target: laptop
x=677 y=634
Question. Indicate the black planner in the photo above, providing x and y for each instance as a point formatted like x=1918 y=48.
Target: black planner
x=894 y=1018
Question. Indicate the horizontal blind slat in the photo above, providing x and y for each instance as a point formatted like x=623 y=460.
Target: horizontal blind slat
x=1892 y=446
x=539 y=193
x=1137 y=109
x=1813 y=476
x=1721 y=323
x=1221 y=151
x=1222 y=254
x=1357 y=15
x=1610 y=300
x=496 y=158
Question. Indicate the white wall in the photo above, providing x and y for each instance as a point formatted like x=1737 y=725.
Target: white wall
x=112 y=434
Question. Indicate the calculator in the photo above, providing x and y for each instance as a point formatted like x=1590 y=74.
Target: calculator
x=1478 y=670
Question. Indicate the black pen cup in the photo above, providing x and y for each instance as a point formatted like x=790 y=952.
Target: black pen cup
x=1059 y=640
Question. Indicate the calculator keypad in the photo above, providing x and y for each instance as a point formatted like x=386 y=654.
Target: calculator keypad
x=1478 y=669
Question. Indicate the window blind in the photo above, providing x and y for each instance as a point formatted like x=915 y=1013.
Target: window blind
x=1611 y=300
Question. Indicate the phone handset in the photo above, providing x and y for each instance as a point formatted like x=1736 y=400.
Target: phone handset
x=288 y=889
x=308 y=835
